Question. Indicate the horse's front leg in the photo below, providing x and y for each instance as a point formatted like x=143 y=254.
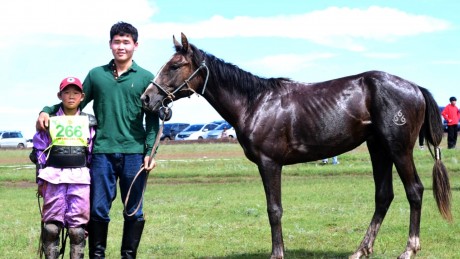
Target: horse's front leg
x=271 y=177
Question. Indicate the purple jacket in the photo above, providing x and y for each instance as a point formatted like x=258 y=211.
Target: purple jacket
x=41 y=141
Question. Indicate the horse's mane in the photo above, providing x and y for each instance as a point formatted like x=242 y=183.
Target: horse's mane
x=231 y=75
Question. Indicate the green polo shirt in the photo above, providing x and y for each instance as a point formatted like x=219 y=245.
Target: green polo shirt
x=118 y=110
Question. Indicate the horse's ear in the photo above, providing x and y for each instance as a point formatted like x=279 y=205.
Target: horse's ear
x=177 y=45
x=184 y=42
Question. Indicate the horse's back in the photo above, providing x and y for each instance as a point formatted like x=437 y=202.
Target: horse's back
x=305 y=122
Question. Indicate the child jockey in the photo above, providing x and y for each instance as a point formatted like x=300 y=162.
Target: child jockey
x=62 y=156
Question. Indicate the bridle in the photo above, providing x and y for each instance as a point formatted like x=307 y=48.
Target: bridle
x=170 y=95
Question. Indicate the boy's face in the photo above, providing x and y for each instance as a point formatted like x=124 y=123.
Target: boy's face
x=123 y=47
x=71 y=96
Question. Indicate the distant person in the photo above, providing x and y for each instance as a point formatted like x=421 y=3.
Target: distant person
x=62 y=155
x=451 y=114
x=122 y=145
x=224 y=133
x=335 y=161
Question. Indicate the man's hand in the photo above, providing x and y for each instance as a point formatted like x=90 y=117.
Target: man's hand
x=149 y=164
x=42 y=121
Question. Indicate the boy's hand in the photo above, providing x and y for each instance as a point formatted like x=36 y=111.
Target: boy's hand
x=42 y=121
x=40 y=190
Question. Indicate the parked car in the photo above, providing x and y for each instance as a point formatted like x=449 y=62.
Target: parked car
x=12 y=139
x=217 y=132
x=171 y=129
x=196 y=131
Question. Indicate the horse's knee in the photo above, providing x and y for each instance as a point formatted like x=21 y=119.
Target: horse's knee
x=274 y=214
x=415 y=196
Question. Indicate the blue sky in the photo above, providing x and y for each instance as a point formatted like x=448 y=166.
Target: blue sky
x=310 y=41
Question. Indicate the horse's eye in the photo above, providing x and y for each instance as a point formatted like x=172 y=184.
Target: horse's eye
x=175 y=66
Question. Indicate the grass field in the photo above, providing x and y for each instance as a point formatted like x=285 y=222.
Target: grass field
x=207 y=201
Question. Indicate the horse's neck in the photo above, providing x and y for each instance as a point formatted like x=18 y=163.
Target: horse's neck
x=229 y=105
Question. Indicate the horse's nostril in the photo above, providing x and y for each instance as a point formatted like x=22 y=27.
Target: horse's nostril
x=146 y=99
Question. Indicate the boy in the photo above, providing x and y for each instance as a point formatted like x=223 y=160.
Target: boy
x=62 y=156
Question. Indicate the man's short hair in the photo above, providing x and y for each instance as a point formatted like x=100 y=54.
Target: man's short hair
x=451 y=99
x=122 y=29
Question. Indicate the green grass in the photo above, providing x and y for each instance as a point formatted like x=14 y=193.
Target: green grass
x=207 y=201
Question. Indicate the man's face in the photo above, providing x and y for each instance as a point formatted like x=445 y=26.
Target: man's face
x=123 y=47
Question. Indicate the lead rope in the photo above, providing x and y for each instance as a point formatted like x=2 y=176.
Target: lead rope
x=40 y=242
x=152 y=154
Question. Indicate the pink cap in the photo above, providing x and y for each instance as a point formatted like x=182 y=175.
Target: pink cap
x=70 y=81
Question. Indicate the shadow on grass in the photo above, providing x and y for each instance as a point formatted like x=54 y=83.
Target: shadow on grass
x=299 y=253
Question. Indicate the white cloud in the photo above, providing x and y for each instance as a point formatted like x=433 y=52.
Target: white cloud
x=334 y=26
x=86 y=18
x=343 y=27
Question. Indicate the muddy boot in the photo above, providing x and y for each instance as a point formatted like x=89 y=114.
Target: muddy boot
x=132 y=232
x=77 y=242
x=50 y=239
x=97 y=238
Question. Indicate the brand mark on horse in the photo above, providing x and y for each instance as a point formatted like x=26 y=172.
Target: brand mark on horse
x=399 y=118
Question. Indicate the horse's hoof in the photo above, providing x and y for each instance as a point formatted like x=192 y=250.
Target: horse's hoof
x=406 y=255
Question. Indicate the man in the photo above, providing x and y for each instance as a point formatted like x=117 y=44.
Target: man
x=121 y=145
x=451 y=114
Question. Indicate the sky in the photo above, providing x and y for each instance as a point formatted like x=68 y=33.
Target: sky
x=309 y=41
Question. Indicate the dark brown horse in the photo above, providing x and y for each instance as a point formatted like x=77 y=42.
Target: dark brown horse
x=280 y=122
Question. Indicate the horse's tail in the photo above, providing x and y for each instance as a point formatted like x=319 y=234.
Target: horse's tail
x=433 y=134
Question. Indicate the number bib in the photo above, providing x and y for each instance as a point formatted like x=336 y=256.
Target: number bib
x=69 y=130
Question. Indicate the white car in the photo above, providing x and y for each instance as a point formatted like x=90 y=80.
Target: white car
x=12 y=139
x=217 y=132
x=196 y=131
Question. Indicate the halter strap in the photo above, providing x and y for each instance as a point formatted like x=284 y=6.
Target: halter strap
x=170 y=95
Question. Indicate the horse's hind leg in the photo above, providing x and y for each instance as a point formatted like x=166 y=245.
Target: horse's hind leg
x=414 y=191
x=382 y=167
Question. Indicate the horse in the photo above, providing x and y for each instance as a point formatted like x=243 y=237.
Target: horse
x=279 y=122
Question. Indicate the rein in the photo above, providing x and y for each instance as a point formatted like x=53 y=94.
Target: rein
x=152 y=154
